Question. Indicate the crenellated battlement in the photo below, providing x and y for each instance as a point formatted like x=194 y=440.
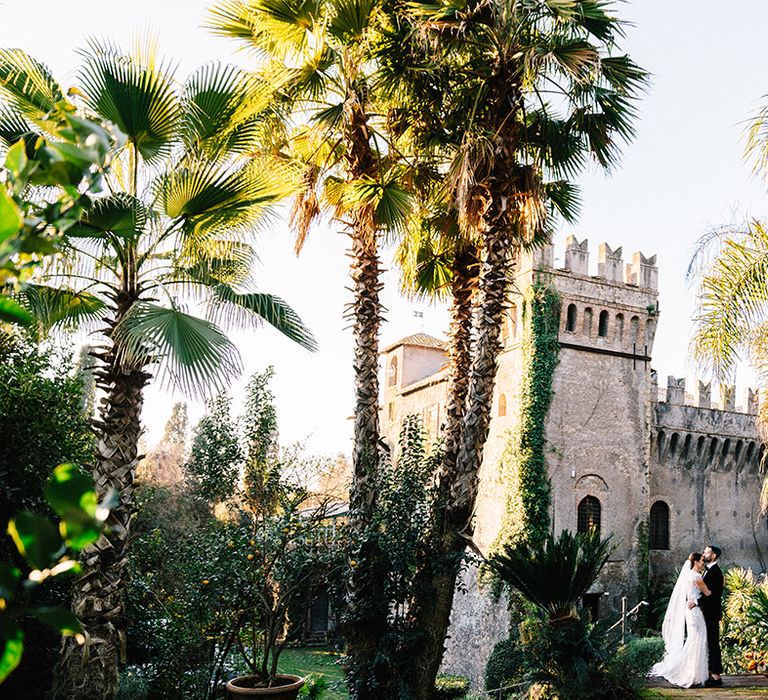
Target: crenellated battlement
x=728 y=399
x=641 y=272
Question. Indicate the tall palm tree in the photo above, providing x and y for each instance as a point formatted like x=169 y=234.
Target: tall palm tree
x=318 y=55
x=515 y=98
x=174 y=223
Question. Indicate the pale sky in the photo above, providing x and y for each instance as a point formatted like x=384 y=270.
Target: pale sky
x=683 y=174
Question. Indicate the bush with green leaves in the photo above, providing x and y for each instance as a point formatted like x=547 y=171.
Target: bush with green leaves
x=560 y=649
x=450 y=687
x=46 y=549
x=745 y=622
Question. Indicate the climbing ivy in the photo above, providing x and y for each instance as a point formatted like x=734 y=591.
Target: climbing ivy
x=523 y=470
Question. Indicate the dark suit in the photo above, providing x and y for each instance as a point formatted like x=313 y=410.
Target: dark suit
x=712 y=608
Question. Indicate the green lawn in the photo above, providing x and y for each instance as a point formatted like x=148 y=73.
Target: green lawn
x=704 y=693
x=318 y=661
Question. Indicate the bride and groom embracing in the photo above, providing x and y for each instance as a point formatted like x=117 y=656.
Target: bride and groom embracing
x=691 y=628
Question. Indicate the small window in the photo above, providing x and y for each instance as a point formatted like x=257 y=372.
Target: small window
x=602 y=324
x=392 y=375
x=658 y=536
x=587 y=327
x=619 y=333
x=588 y=516
x=502 y=405
x=512 y=316
x=391 y=412
x=634 y=329
x=570 y=322
x=673 y=445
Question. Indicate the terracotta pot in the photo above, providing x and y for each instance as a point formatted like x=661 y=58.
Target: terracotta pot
x=285 y=687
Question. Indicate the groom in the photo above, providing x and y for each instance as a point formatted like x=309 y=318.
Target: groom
x=712 y=607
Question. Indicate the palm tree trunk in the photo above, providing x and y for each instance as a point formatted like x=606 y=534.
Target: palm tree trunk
x=89 y=671
x=460 y=479
x=366 y=612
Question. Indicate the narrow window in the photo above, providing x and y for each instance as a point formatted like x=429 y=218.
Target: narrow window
x=588 y=516
x=602 y=324
x=619 y=334
x=570 y=323
x=658 y=536
x=660 y=444
x=686 y=447
x=724 y=454
x=512 y=314
x=634 y=328
x=673 y=445
x=392 y=376
x=587 y=327
x=502 y=405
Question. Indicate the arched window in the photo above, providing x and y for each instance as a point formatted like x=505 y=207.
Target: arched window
x=673 y=445
x=587 y=326
x=588 y=516
x=658 y=536
x=502 y=405
x=619 y=332
x=392 y=374
x=634 y=329
x=602 y=324
x=570 y=318
x=686 y=447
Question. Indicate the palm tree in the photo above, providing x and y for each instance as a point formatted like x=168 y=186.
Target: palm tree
x=174 y=224
x=554 y=575
x=511 y=99
x=318 y=56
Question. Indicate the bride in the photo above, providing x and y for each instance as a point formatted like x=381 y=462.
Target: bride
x=684 y=631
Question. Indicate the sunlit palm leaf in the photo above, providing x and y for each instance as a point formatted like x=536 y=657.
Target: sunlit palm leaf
x=213 y=261
x=137 y=97
x=65 y=308
x=221 y=108
x=193 y=355
x=13 y=126
x=733 y=298
x=230 y=308
x=350 y=18
x=121 y=214
x=209 y=197
x=28 y=84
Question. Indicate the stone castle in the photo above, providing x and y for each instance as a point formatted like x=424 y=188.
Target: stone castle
x=663 y=471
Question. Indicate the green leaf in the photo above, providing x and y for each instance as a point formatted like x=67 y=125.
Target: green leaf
x=11 y=219
x=71 y=495
x=11 y=646
x=136 y=93
x=16 y=158
x=195 y=356
x=9 y=576
x=28 y=84
x=13 y=312
x=121 y=214
x=37 y=539
x=61 y=307
x=241 y=310
x=61 y=619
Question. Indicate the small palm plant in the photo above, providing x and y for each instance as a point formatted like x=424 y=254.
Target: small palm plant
x=555 y=575
x=183 y=198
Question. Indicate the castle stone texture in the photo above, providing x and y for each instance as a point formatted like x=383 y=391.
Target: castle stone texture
x=663 y=470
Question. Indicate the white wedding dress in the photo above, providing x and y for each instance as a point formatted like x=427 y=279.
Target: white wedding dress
x=685 y=661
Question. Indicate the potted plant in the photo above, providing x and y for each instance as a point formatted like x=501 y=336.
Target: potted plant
x=287 y=556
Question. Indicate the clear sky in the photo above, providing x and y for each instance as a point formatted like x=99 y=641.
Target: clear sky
x=683 y=174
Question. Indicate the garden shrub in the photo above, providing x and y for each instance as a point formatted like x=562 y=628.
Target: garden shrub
x=640 y=654
x=505 y=664
x=450 y=687
x=744 y=631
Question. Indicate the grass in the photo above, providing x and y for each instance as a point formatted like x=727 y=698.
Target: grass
x=319 y=661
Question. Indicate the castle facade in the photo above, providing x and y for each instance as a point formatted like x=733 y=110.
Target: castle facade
x=662 y=470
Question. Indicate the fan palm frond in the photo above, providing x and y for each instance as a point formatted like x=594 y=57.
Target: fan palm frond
x=230 y=308
x=732 y=299
x=120 y=214
x=193 y=355
x=28 y=84
x=208 y=197
x=59 y=307
x=138 y=96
